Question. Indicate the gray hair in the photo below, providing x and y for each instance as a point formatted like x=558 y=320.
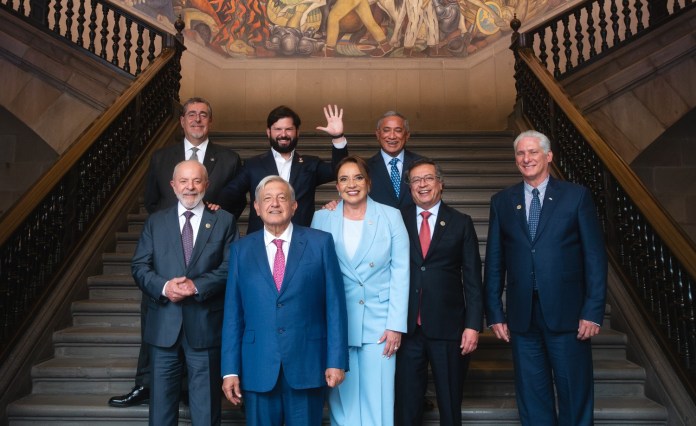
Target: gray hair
x=544 y=141
x=273 y=178
x=186 y=162
x=196 y=100
x=393 y=114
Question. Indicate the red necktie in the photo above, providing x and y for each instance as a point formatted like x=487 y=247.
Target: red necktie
x=424 y=237
x=278 y=264
x=424 y=234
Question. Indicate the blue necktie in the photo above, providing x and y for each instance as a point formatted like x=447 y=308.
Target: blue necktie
x=395 y=177
x=534 y=213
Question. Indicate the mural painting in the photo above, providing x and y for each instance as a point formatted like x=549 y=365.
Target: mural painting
x=344 y=28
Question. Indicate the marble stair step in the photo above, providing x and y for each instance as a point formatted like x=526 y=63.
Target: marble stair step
x=113 y=286
x=106 y=312
x=92 y=410
x=97 y=342
x=117 y=262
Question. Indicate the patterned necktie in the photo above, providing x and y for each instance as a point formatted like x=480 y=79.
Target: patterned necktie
x=194 y=154
x=278 y=264
x=187 y=237
x=534 y=213
x=395 y=176
x=424 y=237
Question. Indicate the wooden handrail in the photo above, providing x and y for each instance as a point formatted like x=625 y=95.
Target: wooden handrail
x=669 y=231
x=16 y=215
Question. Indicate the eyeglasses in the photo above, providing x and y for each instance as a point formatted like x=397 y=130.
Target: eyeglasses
x=193 y=115
x=356 y=179
x=428 y=179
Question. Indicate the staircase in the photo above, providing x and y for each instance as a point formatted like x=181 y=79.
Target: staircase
x=96 y=357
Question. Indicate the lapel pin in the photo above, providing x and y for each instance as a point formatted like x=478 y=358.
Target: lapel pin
x=550 y=199
x=442 y=223
x=300 y=160
x=519 y=206
x=212 y=158
x=207 y=226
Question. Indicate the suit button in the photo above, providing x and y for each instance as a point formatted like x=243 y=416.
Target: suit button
x=281 y=330
x=279 y=305
x=372 y=264
x=361 y=302
x=361 y=284
x=533 y=251
x=422 y=268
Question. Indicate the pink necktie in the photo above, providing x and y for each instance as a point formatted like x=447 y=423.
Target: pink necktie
x=278 y=264
x=424 y=237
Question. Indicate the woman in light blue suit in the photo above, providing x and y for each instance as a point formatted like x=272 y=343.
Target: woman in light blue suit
x=372 y=247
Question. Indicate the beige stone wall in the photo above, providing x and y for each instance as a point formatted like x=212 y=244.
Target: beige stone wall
x=462 y=94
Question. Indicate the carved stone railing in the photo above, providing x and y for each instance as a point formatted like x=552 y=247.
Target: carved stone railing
x=593 y=28
x=101 y=28
x=656 y=259
x=39 y=233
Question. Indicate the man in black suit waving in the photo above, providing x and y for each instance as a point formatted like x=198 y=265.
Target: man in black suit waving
x=445 y=312
x=303 y=172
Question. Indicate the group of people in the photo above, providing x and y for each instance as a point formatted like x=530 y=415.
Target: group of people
x=351 y=304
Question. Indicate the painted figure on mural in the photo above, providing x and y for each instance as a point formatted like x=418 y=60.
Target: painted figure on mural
x=352 y=28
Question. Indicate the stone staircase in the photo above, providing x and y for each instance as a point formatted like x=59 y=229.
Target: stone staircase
x=95 y=358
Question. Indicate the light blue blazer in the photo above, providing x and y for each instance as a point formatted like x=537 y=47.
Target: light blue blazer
x=376 y=279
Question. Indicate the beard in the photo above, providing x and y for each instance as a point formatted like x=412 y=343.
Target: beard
x=187 y=202
x=283 y=149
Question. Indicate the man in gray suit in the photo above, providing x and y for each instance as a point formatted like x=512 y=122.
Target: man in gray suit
x=180 y=264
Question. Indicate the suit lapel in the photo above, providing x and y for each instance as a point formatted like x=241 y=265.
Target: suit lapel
x=172 y=222
x=205 y=229
x=259 y=249
x=550 y=202
x=382 y=174
x=336 y=229
x=297 y=248
x=517 y=203
x=269 y=165
x=370 y=226
x=210 y=160
x=441 y=223
x=297 y=162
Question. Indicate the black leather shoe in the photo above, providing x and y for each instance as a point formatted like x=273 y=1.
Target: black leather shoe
x=137 y=396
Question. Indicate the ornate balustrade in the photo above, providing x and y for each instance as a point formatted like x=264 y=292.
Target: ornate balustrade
x=657 y=261
x=593 y=28
x=42 y=230
x=101 y=28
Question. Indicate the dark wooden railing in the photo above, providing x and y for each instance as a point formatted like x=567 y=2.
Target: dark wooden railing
x=39 y=233
x=655 y=258
x=103 y=29
x=592 y=29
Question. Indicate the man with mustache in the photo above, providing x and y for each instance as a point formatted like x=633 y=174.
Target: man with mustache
x=181 y=264
x=303 y=172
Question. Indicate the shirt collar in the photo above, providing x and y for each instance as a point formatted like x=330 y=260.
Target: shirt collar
x=188 y=145
x=285 y=236
x=278 y=156
x=434 y=210
x=542 y=186
x=387 y=158
x=198 y=210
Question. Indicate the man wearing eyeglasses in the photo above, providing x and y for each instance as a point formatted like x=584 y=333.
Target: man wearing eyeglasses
x=445 y=309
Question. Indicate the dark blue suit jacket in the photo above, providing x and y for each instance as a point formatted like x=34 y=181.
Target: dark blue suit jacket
x=303 y=327
x=382 y=190
x=306 y=173
x=159 y=257
x=567 y=257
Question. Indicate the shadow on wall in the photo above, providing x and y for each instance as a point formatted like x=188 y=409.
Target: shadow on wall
x=347 y=28
x=24 y=156
x=668 y=169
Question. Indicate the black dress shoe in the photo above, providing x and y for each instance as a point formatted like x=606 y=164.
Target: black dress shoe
x=137 y=396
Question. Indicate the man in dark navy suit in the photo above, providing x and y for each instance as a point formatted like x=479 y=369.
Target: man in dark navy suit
x=546 y=249
x=388 y=167
x=303 y=172
x=221 y=164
